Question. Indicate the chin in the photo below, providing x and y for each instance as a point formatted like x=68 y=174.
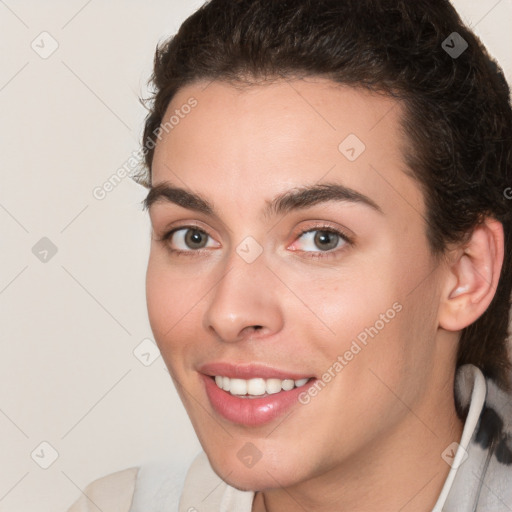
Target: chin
x=252 y=480
x=264 y=474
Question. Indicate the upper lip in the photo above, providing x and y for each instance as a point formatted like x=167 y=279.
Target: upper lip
x=248 y=371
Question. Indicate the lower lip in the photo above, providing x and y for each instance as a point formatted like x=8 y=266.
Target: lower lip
x=251 y=411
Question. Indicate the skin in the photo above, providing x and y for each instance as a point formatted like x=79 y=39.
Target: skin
x=372 y=439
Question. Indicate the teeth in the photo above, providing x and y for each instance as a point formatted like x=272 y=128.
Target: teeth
x=237 y=386
x=273 y=386
x=257 y=386
x=288 y=384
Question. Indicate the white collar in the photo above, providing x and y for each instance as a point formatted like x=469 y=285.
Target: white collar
x=478 y=394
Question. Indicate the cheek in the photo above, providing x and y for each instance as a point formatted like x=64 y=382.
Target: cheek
x=169 y=299
x=374 y=317
x=158 y=299
x=345 y=303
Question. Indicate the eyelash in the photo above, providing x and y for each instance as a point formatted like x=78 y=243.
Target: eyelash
x=309 y=254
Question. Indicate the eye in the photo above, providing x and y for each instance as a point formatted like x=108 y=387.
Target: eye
x=187 y=239
x=321 y=239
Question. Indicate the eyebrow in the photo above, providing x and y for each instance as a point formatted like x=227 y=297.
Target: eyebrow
x=298 y=198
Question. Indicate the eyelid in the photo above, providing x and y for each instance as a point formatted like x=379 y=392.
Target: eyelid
x=171 y=228
x=169 y=232
x=345 y=233
x=326 y=255
x=298 y=233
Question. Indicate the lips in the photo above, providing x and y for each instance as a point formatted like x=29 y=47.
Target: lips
x=249 y=371
x=255 y=410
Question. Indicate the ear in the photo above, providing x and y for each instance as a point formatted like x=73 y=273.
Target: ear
x=472 y=277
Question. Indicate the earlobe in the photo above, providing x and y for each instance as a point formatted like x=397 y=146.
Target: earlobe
x=473 y=277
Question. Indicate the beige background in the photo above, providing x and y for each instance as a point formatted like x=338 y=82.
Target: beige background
x=70 y=325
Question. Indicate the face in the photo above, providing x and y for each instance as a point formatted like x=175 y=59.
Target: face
x=299 y=253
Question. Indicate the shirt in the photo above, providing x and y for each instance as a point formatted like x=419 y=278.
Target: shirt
x=480 y=476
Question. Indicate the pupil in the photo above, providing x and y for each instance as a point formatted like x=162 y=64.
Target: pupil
x=194 y=237
x=323 y=238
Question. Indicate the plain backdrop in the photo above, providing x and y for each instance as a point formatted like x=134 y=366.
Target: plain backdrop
x=83 y=390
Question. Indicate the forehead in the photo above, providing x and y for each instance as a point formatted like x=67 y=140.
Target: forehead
x=264 y=139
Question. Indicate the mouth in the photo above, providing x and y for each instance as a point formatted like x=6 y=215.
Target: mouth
x=257 y=387
x=252 y=395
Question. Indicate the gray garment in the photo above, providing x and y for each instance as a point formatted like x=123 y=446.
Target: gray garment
x=484 y=480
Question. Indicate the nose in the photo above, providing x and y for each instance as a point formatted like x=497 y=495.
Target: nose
x=244 y=302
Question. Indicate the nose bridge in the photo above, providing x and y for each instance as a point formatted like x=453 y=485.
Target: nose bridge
x=242 y=298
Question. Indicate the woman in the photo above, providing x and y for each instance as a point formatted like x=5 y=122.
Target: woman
x=331 y=261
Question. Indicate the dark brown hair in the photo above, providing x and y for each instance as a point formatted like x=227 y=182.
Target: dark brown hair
x=458 y=119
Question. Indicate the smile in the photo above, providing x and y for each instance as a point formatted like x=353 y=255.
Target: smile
x=256 y=401
x=257 y=386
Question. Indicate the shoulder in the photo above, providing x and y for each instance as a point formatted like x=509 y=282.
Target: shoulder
x=110 y=493
x=482 y=481
x=185 y=483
